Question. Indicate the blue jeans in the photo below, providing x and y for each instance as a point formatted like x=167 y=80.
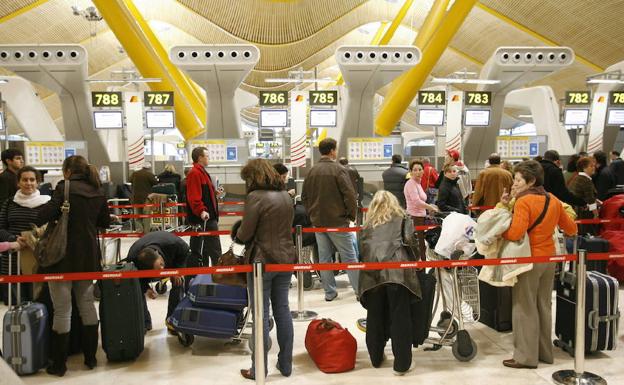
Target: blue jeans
x=275 y=287
x=344 y=244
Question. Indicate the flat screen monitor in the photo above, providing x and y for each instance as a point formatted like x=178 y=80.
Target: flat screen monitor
x=108 y=119
x=323 y=118
x=159 y=119
x=273 y=118
x=1 y=121
x=576 y=116
x=431 y=117
x=476 y=118
x=615 y=117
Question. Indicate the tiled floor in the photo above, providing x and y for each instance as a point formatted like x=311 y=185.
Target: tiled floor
x=165 y=361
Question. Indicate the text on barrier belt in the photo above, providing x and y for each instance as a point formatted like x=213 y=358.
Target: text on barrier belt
x=297 y=267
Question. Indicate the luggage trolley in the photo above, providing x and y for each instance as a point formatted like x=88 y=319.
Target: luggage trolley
x=458 y=290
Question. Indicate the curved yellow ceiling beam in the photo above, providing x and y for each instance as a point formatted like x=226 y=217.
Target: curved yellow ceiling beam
x=395 y=105
x=151 y=59
x=22 y=10
x=536 y=35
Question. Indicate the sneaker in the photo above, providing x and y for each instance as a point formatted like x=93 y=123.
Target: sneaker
x=329 y=299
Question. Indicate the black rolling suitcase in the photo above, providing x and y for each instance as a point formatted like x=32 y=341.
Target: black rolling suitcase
x=495 y=306
x=164 y=188
x=595 y=245
x=601 y=312
x=121 y=316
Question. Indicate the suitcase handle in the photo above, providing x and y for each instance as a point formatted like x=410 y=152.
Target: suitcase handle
x=593 y=320
x=19 y=285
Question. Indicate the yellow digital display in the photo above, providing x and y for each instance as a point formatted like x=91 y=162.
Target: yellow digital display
x=323 y=98
x=431 y=98
x=577 y=98
x=273 y=98
x=616 y=98
x=478 y=98
x=106 y=99
x=158 y=99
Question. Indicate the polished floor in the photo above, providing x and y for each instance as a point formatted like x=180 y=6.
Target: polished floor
x=207 y=361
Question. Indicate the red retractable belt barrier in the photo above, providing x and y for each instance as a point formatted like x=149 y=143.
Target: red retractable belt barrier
x=297 y=267
x=178 y=233
x=475 y=208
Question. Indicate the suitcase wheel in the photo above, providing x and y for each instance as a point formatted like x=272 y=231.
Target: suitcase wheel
x=443 y=323
x=161 y=287
x=464 y=347
x=186 y=340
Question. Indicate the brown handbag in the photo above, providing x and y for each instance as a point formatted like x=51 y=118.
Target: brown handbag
x=235 y=279
x=52 y=246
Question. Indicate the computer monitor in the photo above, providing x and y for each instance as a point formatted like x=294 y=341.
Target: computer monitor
x=108 y=119
x=576 y=116
x=323 y=118
x=273 y=118
x=476 y=118
x=159 y=119
x=615 y=117
x=431 y=117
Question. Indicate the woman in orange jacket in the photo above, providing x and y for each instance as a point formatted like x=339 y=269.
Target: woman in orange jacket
x=538 y=213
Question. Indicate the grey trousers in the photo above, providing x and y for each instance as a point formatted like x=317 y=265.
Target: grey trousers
x=531 y=318
x=62 y=301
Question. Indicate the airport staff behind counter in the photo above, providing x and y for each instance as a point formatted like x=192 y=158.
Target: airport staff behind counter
x=156 y=251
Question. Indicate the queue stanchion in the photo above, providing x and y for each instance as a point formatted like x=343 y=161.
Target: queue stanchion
x=578 y=375
x=300 y=314
x=258 y=324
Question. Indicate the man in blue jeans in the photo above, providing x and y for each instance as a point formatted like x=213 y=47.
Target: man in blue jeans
x=331 y=201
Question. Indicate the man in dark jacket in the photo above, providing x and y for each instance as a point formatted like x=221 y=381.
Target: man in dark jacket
x=12 y=160
x=203 y=210
x=603 y=178
x=554 y=182
x=142 y=181
x=450 y=197
x=156 y=251
x=617 y=168
x=331 y=201
x=394 y=178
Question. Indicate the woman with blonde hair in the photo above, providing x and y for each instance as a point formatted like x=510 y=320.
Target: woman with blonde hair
x=169 y=175
x=388 y=236
x=266 y=226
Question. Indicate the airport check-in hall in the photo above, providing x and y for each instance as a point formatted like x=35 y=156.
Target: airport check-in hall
x=317 y=191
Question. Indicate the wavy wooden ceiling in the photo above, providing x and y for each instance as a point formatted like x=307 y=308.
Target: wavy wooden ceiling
x=305 y=33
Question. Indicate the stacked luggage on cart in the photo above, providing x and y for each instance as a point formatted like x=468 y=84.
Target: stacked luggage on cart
x=211 y=310
x=164 y=194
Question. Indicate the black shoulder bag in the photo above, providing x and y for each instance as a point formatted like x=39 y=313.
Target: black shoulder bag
x=52 y=246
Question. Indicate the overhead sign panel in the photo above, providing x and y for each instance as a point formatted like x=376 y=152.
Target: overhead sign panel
x=577 y=98
x=576 y=116
x=323 y=98
x=158 y=99
x=431 y=98
x=616 y=98
x=431 y=117
x=477 y=118
x=108 y=119
x=273 y=98
x=477 y=98
x=106 y=99
x=323 y=118
x=273 y=118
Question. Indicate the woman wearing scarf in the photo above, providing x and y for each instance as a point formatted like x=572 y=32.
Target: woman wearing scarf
x=19 y=214
x=531 y=295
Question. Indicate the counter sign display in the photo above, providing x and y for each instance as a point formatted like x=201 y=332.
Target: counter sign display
x=273 y=98
x=431 y=98
x=616 y=98
x=577 y=98
x=106 y=99
x=323 y=98
x=478 y=98
x=158 y=99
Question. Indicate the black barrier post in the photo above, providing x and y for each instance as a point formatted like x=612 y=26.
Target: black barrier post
x=300 y=314
x=258 y=322
x=579 y=375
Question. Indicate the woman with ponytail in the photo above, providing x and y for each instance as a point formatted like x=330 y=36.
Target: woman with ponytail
x=88 y=211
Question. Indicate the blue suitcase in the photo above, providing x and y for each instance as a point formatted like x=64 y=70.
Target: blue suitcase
x=213 y=323
x=207 y=294
x=25 y=334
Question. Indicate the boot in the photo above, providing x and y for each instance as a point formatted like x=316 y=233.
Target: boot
x=90 y=344
x=59 y=343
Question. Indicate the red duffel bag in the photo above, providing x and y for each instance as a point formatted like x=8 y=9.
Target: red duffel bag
x=615 y=266
x=331 y=347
